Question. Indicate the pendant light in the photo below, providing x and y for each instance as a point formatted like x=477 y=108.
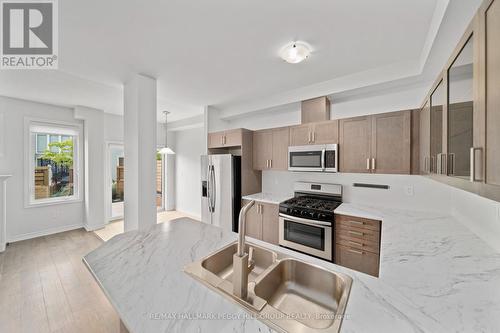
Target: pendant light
x=166 y=150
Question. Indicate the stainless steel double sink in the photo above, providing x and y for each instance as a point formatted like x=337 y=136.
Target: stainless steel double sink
x=287 y=294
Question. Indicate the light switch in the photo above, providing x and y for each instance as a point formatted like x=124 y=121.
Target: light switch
x=409 y=190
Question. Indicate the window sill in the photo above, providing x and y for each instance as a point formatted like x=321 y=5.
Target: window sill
x=34 y=204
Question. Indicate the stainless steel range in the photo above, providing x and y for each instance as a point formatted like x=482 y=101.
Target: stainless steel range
x=307 y=220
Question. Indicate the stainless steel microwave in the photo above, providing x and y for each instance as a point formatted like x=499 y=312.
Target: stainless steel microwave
x=316 y=158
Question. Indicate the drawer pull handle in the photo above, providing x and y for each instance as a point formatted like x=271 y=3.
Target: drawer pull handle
x=356 y=233
x=356 y=243
x=357 y=222
x=356 y=252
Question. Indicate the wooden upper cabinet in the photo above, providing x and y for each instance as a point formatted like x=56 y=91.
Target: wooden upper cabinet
x=355 y=139
x=314 y=110
x=326 y=132
x=230 y=138
x=216 y=140
x=262 y=149
x=300 y=135
x=233 y=138
x=270 y=149
x=280 y=140
x=270 y=223
x=492 y=107
x=391 y=142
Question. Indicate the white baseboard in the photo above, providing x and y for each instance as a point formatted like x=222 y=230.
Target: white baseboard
x=44 y=232
x=93 y=227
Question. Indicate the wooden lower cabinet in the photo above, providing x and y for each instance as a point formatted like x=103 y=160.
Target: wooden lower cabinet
x=357 y=243
x=263 y=222
x=254 y=222
x=270 y=223
x=356 y=259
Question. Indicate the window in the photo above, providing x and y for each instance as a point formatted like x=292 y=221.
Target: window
x=53 y=163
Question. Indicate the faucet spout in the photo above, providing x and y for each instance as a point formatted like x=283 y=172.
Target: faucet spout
x=242 y=227
x=240 y=258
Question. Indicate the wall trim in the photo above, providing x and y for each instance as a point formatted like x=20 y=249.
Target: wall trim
x=45 y=232
x=90 y=228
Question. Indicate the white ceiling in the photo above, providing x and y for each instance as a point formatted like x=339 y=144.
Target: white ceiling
x=225 y=53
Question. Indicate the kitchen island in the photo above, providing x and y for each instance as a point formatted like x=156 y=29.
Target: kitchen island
x=435 y=276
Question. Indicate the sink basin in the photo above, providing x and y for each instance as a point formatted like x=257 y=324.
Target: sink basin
x=316 y=296
x=287 y=294
x=221 y=262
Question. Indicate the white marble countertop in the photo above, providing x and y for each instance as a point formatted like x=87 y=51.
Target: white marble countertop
x=359 y=211
x=271 y=198
x=435 y=276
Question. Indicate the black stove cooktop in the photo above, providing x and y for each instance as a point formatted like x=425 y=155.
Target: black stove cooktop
x=310 y=207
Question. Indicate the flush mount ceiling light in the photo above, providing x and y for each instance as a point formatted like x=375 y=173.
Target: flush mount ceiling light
x=295 y=52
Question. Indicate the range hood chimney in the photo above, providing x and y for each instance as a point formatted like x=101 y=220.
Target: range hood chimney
x=316 y=109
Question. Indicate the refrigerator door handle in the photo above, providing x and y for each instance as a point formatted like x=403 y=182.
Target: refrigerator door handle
x=209 y=189
x=214 y=190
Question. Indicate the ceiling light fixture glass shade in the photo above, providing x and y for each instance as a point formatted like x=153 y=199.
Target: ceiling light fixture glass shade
x=295 y=52
x=166 y=150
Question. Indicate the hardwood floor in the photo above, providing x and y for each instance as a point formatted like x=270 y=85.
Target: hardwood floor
x=116 y=227
x=45 y=287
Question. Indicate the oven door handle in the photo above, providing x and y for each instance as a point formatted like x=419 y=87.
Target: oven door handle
x=306 y=221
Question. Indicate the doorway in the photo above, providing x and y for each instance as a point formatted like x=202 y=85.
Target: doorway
x=116 y=176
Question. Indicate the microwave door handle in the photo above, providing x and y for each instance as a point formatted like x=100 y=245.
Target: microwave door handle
x=323 y=154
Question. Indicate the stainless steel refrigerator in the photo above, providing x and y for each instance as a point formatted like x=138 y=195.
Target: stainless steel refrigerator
x=221 y=190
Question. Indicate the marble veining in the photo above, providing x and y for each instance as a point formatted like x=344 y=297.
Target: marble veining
x=436 y=276
x=271 y=198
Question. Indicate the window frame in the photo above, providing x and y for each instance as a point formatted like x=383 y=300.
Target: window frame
x=30 y=150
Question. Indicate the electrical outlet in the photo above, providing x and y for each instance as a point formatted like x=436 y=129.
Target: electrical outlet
x=409 y=190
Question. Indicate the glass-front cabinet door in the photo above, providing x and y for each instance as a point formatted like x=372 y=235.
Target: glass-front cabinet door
x=460 y=113
x=438 y=100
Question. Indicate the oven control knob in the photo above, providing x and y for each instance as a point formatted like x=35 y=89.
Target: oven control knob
x=322 y=216
x=295 y=211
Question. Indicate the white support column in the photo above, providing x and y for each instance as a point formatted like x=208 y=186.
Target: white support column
x=3 y=211
x=94 y=158
x=140 y=152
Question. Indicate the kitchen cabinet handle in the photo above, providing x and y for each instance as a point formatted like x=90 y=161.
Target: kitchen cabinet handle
x=313 y=137
x=270 y=164
x=373 y=163
x=367 y=164
x=356 y=243
x=473 y=164
x=225 y=139
x=357 y=233
x=309 y=137
x=357 y=252
x=357 y=222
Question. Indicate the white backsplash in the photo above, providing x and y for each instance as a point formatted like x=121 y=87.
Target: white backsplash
x=407 y=192
x=417 y=193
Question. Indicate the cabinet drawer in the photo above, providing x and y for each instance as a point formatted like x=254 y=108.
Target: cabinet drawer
x=358 y=260
x=360 y=244
x=358 y=222
x=355 y=233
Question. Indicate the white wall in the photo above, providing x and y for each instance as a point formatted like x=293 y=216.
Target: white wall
x=30 y=222
x=189 y=146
